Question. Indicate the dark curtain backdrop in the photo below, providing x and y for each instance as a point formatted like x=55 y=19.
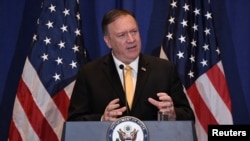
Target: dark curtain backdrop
x=232 y=20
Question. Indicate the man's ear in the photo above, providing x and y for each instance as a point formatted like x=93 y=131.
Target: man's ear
x=107 y=41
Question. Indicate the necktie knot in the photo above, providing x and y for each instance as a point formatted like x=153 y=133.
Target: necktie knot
x=128 y=68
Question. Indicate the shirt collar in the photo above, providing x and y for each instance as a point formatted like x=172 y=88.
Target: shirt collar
x=133 y=64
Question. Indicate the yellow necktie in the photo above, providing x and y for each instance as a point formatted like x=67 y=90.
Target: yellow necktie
x=129 y=86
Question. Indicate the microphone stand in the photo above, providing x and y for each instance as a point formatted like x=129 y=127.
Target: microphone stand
x=124 y=88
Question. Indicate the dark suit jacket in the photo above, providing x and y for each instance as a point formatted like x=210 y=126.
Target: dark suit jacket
x=98 y=83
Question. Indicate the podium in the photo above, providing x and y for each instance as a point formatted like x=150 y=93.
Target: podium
x=158 y=131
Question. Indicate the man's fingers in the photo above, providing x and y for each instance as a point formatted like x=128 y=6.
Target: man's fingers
x=160 y=104
x=112 y=110
x=152 y=101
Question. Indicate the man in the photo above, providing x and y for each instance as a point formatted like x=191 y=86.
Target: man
x=99 y=92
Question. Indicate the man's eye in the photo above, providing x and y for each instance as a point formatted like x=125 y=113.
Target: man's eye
x=134 y=31
x=121 y=35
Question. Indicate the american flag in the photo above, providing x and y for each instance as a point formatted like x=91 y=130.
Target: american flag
x=49 y=73
x=190 y=43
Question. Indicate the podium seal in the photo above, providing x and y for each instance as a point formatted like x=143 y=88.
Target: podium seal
x=127 y=128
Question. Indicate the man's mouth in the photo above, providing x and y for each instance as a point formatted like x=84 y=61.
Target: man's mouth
x=132 y=47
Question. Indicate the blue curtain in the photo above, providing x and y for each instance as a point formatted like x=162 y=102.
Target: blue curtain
x=232 y=20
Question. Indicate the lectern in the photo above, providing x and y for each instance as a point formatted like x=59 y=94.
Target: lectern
x=158 y=131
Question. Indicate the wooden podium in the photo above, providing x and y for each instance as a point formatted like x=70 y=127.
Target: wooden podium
x=158 y=131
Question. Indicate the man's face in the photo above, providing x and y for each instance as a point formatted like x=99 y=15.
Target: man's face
x=124 y=38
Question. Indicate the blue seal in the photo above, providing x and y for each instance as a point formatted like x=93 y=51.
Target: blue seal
x=127 y=128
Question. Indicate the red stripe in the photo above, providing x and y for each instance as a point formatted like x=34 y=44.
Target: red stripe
x=13 y=133
x=218 y=80
x=62 y=101
x=202 y=111
x=35 y=117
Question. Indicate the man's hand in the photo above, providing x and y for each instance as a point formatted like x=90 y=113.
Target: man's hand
x=165 y=104
x=113 y=110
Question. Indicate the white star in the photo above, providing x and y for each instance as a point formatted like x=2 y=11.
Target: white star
x=205 y=47
x=57 y=76
x=208 y=15
x=204 y=62
x=44 y=56
x=73 y=64
x=66 y=12
x=59 y=60
x=192 y=58
x=180 y=54
x=218 y=51
x=47 y=41
x=64 y=28
x=78 y=16
x=171 y=20
x=61 y=44
x=197 y=11
x=34 y=37
x=169 y=36
x=85 y=53
x=191 y=74
x=207 y=31
x=38 y=21
x=76 y=48
x=52 y=8
x=173 y=4
x=184 y=23
x=195 y=27
x=49 y=24
x=182 y=39
x=186 y=7
x=77 y=32
x=193 y=43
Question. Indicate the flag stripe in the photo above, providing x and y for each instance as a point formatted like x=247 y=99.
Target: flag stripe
x=62 y=102
x=200 y=131
x=34 y=115
x=43 y=99
x=15 y=134
x=218 y=107
x=200 y=107
x=211 y=99
x=208 y=104
x=22 y=124
x=220 y=84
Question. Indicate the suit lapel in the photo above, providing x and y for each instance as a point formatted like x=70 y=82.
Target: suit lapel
x=113 y=77
x=143 y=72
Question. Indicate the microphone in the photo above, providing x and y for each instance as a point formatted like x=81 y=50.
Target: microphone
x=121 y=67
x=124 y=87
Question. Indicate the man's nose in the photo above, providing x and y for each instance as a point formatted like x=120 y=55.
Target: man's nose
x=130 y=37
